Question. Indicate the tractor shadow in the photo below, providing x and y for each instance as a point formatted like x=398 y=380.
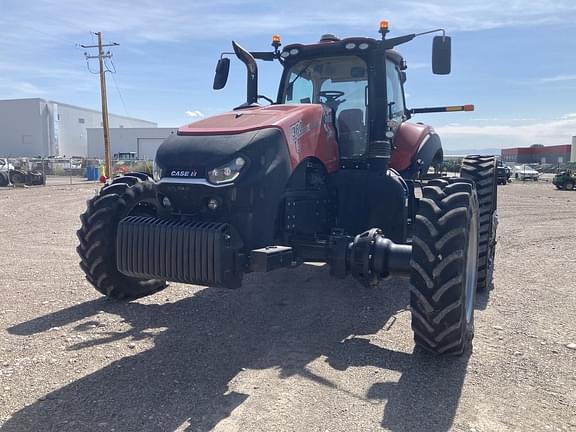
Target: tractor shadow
x=283 y=320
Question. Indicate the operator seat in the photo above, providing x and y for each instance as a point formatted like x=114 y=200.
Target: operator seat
x=351 y=132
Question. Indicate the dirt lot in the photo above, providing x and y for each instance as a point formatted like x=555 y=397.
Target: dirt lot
x=291 y=350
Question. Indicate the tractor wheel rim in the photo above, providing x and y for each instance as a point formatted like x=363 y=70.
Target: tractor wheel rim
x=471 y=268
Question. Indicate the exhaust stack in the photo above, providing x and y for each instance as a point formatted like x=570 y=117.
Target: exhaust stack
x=252 y=73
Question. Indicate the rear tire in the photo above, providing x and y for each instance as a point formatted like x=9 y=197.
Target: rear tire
x=482 y=170
x=569 y=186
x=37 y=178
x=18 y=177
x=128 y=195
x=444 y=267
x=4 y=179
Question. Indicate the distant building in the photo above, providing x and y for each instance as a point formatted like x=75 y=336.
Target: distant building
x=538 y=154
x=37 y=127
x=142 y=141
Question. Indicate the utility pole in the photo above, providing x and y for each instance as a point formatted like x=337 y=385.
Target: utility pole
x=101 y=56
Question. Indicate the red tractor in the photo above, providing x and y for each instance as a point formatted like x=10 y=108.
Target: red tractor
x=331 y=171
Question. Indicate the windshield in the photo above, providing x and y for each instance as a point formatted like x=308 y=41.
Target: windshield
x=340 y=83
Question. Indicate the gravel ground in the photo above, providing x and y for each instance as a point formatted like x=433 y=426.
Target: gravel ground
x=291 y=350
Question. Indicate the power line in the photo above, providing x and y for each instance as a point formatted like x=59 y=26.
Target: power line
x=118 y=89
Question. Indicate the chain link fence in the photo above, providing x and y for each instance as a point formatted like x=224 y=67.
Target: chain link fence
x=71 y=171
x=63 y=171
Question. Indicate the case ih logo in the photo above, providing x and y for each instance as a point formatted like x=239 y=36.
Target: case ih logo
x=183 y=173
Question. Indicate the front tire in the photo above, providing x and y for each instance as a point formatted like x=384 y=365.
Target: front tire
x=569 y=186
x=131 y=194
x=444 y=267
x=482 y=171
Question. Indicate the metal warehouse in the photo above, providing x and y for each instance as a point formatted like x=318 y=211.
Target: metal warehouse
x=538 y=154
x=142 y=141
x=37 y=127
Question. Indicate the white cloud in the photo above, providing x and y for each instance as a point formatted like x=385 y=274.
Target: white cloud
x=15 y=89
x=53 y=21
x=67 y=72
x=195 y=114
x=550 y=132
x=559 y=78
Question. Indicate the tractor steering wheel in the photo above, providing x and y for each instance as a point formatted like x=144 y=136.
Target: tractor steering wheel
x=331 y=96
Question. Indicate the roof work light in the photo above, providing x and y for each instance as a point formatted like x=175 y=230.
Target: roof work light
x=276 y=41
x=383 y=28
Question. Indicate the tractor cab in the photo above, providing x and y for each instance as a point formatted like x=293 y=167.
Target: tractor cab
x=341 y=80
x=339 y=83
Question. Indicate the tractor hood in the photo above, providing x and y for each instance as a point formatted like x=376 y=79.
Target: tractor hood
x=300 y=131
x=251 y=119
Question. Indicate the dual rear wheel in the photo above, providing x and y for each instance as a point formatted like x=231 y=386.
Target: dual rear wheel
x=453 y=246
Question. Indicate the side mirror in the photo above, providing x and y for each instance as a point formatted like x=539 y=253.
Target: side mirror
x=441 y=55
x=221 y=75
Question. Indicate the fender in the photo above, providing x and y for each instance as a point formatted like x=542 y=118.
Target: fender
x=416 y=148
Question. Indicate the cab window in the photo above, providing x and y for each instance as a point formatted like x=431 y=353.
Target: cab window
x=394 y=92
x=341 y=84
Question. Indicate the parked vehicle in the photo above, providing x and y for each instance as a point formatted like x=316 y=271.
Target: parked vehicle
x=5 y=165
x=525 y=172
x=327 y=172
x=18 y=176
x=503 y=174
x=565 y=180
x=5 y=168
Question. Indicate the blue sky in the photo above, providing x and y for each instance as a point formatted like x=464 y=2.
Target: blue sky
x=515 y=60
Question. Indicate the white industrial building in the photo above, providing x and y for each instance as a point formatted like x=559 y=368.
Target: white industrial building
x=37 y=127
x=142 y=141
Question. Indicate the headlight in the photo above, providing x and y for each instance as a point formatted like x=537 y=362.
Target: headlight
x=228 y=172
x=156 y=171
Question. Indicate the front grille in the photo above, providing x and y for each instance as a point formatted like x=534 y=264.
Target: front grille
x=203 y=253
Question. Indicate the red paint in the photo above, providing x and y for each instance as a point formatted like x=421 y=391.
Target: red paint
x=408 y=139
x=309 y=132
